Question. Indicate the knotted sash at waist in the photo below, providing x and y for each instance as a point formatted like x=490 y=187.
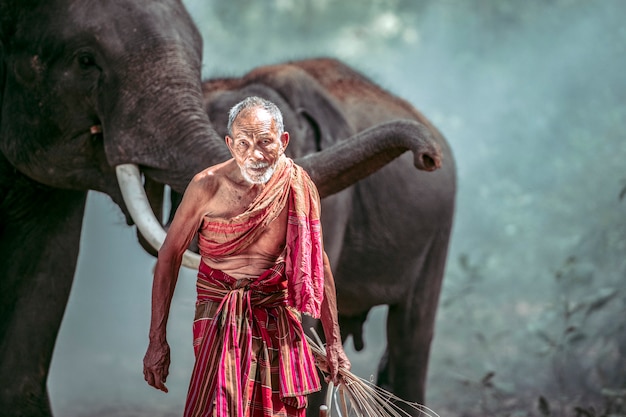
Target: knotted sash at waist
x=229 y=313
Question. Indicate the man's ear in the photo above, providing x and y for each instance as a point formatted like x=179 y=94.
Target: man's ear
x=229 y=143
x=284 y=139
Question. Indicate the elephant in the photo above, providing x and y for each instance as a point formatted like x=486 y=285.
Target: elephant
x=387 y=235
x=107 y=96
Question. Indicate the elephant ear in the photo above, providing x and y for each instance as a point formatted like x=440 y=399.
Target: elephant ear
x=2 y=79
x=4 y=22
x=309 y=99
x=10 y=13
x=5 y=30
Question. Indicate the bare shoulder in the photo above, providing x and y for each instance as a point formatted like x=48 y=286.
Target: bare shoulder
x=203 y=192
x=210 y=178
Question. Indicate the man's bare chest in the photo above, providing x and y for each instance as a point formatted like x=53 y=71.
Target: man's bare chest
x=230 y=202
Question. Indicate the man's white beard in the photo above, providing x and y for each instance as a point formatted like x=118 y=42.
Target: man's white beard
x=262 y=178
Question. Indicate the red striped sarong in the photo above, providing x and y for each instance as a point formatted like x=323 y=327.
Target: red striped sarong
x=251 y=355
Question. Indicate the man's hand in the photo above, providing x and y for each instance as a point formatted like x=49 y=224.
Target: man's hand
x=336 y=358
x=156 y=365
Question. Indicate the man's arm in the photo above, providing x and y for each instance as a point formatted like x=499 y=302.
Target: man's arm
x=182 y=230
x=335 y=354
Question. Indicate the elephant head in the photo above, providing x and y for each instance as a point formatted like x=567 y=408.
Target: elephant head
x=85 y=80
x=88 y=90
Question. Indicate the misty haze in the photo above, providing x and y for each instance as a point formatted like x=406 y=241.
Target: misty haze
x=532 y=98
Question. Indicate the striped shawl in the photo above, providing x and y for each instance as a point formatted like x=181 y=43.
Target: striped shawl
x=289 y=185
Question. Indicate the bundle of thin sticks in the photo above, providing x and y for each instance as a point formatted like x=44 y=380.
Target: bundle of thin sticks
x=355 y=396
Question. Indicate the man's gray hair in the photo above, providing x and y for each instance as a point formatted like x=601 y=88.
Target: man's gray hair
x=254 y=102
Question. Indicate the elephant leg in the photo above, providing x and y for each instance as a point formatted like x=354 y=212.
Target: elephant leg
x=39 y=249
x=336 y=211
x=410 y=329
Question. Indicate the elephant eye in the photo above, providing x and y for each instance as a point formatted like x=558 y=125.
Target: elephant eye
x=86 y=61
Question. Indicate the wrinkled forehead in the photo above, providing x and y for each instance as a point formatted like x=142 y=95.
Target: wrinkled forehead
x=254 y=120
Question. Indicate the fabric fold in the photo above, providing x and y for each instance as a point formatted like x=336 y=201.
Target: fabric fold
x=229 y=314
x=290 y=185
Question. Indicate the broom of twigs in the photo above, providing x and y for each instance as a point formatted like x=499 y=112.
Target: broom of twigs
x=355 y=396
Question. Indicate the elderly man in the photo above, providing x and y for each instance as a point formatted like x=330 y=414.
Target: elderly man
x=263 y=264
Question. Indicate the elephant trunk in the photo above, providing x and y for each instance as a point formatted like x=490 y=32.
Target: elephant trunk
x=164 y=129
x=353 y=159
x=156 y=126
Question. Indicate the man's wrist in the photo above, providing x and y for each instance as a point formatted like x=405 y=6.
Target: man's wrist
x=333 y=343
x=333 y=336
x=157 y=337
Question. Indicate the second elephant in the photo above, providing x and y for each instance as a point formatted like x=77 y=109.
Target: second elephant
x=387 y=235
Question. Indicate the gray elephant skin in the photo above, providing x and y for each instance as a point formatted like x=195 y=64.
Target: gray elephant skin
x=86 y=86
x=386 y=235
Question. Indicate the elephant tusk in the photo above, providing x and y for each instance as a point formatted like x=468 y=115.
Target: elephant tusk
x=129 y=179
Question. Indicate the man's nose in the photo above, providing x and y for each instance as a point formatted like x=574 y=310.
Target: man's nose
x=256 y=153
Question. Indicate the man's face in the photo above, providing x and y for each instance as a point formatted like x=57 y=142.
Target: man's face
x=256 y=145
